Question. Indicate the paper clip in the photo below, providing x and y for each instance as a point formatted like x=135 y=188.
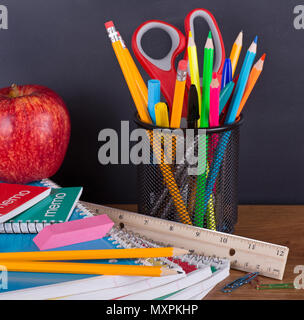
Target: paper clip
x=275 y=286
x=239 y=282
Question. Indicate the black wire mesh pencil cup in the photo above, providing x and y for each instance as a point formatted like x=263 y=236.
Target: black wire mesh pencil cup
x=190 y=176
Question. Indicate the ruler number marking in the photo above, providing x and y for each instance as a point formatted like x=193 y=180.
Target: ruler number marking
x=251 y=246
x=223 y=240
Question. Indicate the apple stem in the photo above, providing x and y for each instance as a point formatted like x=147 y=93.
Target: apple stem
x=14 y=92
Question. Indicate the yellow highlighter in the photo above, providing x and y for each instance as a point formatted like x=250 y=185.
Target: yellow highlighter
x=179 y=93
x=194 y=71
x=235 y=52
x=161 y=115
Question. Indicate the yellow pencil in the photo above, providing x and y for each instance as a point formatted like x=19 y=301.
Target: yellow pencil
x=143 y=90
x=194 y=70
x=161 y=115
x=87 y=268
x=119 y=52
x=145 y=117
x=235 y=52
x=93 y=254
x=252 y=80
x=168 y=177
x=179 y=93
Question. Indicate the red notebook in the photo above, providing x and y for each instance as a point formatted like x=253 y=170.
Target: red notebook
x=16 y=198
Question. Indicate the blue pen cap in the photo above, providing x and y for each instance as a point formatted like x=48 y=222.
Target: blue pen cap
x=227 y=73
x=153 y=97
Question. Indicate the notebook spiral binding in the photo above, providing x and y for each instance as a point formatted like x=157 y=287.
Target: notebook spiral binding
x=79 y=212
x=128 y=239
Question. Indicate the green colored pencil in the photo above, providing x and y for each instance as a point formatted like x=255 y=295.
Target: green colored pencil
x=207 y=78
x=203 y=140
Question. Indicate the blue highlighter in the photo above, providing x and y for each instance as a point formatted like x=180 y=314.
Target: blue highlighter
x=153 y=97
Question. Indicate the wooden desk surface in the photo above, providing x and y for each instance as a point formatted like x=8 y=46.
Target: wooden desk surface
x=281 y=225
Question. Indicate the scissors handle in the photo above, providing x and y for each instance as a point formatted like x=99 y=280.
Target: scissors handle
x=216 y=35
x=161 y=69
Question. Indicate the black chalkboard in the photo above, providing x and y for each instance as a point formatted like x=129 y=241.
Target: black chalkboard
x=63 y=44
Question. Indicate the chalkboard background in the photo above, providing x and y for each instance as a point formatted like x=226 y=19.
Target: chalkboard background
x=63 y=44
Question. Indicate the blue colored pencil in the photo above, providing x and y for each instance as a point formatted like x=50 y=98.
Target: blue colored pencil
x=225 y=95
x=241 y=84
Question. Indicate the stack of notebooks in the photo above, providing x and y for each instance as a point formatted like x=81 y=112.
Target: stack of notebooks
x=29 y=208
x=199 y=274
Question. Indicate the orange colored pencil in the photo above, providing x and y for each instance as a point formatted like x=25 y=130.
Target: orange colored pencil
x=253 y=78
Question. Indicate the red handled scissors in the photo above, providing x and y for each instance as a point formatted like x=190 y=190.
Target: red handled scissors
x=164 y=69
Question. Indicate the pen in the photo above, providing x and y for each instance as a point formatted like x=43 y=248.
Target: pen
x=193 y=108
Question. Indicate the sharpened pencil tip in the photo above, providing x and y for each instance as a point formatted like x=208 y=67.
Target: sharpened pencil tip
x=256 y=39
x=210 y=35
x=263 y=57
x=190 y=34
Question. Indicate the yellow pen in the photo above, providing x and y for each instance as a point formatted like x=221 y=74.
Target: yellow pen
x=194 y=71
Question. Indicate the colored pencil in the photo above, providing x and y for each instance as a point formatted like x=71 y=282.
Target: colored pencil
x=214 y=102
x=194 y=70
x=207 y=77
x=235 y=52
x=179 y=93
x=86 y=268
x=93 y=254
x=253 y=78
x=225 y=95
x=241 y=84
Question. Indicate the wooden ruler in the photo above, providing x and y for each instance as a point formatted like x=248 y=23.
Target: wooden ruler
x=244 y=254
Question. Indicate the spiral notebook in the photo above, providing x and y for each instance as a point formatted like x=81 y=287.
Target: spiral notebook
x=22 y=286
x=72 y=287
x=198 y=269
x=55 y=208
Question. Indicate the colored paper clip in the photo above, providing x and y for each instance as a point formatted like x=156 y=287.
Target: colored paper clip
x=239 y=282
x=272 y=286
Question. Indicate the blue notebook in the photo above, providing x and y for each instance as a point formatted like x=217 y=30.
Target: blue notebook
x=24 y=242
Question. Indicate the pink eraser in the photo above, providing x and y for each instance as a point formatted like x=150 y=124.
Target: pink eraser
x=71 y=232
x=109 y=24
x=183 y=65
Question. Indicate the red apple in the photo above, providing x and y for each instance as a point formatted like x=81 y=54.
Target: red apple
x=34 y=133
